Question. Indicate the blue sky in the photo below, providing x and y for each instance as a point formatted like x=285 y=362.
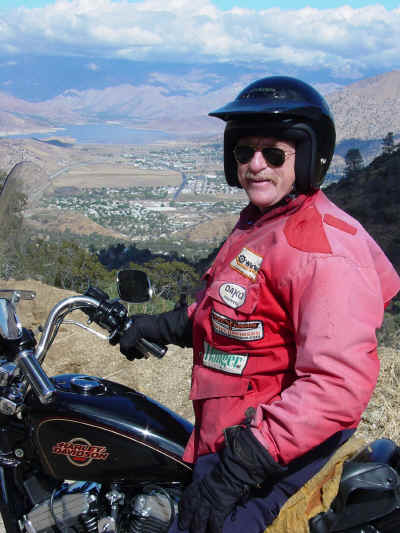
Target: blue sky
x=228 y=4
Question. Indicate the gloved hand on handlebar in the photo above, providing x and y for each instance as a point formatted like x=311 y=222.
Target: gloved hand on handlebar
x=245 y=463
x=172 y=327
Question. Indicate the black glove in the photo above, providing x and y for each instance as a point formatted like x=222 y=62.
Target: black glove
x=245 y=463
x=173 y=327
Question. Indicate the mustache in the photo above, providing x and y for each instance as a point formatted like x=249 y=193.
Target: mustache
x=261 y=176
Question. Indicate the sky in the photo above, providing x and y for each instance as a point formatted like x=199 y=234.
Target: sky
x=350 y=41
x=229 y=4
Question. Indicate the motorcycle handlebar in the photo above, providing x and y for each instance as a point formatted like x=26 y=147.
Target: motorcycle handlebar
x=146 y=347
x=37 y=378
x=83 y=301
x=29 y=360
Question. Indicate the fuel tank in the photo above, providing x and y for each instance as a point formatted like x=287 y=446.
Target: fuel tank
x=98 y=430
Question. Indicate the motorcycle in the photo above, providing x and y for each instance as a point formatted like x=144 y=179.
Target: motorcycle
x=82 y=453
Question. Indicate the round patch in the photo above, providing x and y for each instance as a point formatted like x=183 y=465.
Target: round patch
x=232 y=294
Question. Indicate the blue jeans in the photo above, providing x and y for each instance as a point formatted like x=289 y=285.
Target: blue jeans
x=265 y=503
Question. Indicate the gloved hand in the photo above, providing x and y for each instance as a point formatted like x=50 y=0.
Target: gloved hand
x=245 y=463
x=172 y=327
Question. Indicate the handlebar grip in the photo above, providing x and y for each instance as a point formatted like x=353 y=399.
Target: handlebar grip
x=145 y=346
x=36 y=376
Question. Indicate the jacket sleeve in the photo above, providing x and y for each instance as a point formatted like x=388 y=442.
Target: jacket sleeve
x=336 y=307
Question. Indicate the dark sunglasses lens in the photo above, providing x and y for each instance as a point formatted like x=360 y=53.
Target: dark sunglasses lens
x=243 y=154
x=274 y=156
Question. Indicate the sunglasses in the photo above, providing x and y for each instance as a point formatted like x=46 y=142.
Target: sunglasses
x=274 y=156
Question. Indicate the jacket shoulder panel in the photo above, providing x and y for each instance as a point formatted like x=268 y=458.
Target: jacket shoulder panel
x=304 y=230
x=339 y=224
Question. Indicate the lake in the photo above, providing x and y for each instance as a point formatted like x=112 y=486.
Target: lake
x=102 y=134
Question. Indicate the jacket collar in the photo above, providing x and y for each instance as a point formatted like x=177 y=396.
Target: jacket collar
x=251 y=214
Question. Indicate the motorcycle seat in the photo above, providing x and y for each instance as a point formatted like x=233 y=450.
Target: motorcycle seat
x=367 y=491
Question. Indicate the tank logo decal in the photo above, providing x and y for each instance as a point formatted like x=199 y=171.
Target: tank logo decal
x=80 y=452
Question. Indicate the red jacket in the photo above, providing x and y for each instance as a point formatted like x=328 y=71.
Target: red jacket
x=287 y=325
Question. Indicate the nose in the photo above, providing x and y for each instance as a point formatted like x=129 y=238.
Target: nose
x=257 y=162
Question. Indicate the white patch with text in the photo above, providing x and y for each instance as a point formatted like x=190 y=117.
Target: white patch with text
x=224 y=361
x=247 y=263
x=239 y=330
x=232 y=294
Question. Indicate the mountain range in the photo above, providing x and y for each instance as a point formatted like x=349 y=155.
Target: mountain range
x=178 y=104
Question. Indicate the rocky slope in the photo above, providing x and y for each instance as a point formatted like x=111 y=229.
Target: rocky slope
x=364 y=110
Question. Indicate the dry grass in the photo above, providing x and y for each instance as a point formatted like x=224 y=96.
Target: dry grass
x=380 y=418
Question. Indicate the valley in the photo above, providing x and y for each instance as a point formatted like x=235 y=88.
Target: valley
x=165 y=196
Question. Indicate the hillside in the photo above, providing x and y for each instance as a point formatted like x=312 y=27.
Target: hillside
x=364 y=110
x=372 y=195
x=50 y=220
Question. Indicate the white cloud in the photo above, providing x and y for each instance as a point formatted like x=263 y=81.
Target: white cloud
x=348 y=41
x=8 y=64
x=93 y=67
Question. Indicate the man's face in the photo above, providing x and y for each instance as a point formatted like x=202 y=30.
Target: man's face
x=264 y=182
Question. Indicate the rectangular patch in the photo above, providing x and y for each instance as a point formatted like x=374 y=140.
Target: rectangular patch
x=224 y=361
x=247 y=263
x=339 y=224
x=239 y=330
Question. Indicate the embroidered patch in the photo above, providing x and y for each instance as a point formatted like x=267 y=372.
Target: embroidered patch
x=226 y=362
x=239 y=330
x=232 y=294
x=247 y=263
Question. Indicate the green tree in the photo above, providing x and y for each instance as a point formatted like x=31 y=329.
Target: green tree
x=171 y=279
x=354 y=162
x=388 y=143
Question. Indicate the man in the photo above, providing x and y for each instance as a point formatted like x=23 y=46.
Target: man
x=284 y=333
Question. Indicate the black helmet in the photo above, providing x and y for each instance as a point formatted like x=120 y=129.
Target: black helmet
x=285 y=108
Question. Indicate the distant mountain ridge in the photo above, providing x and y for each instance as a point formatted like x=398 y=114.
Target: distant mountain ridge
x=362 y=110
x=367 y=109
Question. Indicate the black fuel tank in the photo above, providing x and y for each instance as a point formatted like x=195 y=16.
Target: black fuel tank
x=98 y=430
